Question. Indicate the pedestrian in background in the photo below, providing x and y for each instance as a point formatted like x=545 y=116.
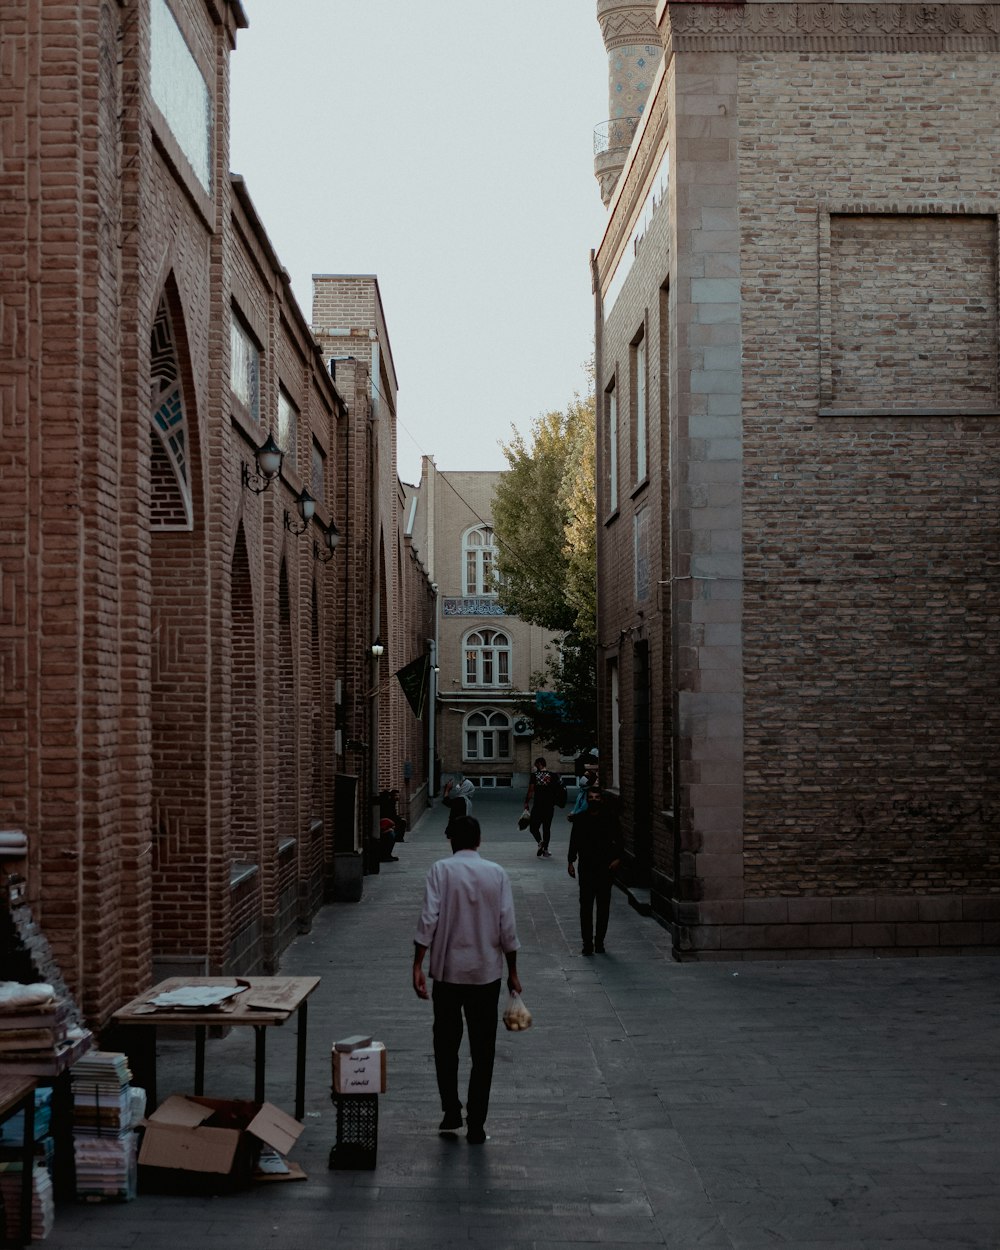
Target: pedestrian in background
x=545 y=792
x=583 y=783
x=595 y=842
x=467 y=923
x=457 y=798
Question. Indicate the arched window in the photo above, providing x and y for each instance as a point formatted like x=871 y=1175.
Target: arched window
x=487 y=658
x=478 y=552
x=170 y=507
x=487 y=736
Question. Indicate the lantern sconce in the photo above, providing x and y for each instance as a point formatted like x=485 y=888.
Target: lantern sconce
x=307 y=510
x=331 y=541
x=378 y=649
x=268 y=457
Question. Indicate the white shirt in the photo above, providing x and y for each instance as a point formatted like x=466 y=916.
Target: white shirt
x=467 y=919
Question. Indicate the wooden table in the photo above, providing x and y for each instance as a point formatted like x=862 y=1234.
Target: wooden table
x=267 y=1002
x=18 y=1094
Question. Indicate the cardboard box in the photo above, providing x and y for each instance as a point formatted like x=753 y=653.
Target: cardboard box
x=359 y=1071
x=210 y=1144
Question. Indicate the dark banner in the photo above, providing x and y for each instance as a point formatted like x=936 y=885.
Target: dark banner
x=413 y=679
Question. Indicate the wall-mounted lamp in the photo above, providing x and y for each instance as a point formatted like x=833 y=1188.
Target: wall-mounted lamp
x=307 y=510
x=268 y=457
x=434 y=588
x=378 y=649
x=331 y=541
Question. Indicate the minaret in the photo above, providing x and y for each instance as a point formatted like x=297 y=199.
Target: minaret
x=634 y=52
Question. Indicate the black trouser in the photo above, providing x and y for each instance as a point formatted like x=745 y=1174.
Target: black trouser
x=479 y=1002
x=595 y=886
x=541 y=824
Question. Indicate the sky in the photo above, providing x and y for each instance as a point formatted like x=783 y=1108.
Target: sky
x=447 y=147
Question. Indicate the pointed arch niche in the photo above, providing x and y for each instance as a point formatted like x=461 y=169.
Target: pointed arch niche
x=182 y=902
x=170 y=470
x=244 y=850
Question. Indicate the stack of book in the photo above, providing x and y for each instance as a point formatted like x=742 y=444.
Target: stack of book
x=106 y=1109
x=11 y=1165
x=43 y=1207
x=37 y=1037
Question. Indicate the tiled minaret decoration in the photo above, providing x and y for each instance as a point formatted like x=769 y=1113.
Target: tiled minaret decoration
x=634 y=53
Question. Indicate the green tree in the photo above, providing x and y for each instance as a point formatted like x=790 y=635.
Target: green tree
x=544 y=521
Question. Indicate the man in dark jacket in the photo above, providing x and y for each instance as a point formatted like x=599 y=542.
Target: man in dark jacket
x=595 y=842
x=545 y=793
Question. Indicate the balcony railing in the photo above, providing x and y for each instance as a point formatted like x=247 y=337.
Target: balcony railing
x=616 y=132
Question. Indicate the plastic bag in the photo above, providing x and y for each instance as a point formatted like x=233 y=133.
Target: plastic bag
x=517 y=1017
x=524 y=820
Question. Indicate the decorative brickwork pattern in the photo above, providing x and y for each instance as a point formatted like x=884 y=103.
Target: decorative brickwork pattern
x=913 y=312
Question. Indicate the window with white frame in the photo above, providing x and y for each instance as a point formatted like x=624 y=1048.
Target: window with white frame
x=612 y=427
x=244 y=367
x=639 y=400
x=288 y=428
x=317 y=474
x=642 y=562
x=179 y=91
x=487 y=736
x=616 y=723
x=479 y=555
x=487 y=658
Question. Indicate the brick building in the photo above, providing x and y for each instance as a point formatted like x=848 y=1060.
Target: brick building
x=485 y=657
x=797 y=371
x=182 y=653
x=387 y=597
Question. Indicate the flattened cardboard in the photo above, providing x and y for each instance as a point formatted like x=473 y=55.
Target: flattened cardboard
x=275 y=1128
x=190 y=1149
x=181 y=1112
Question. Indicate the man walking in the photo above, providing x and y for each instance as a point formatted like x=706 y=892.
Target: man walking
x=594 y=840
x=544 y=792
x=467 y=923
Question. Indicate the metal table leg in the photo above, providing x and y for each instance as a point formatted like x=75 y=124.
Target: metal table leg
x=302 y=1026
x=260 y=1058
x=27 y=1165
x=199 y=1059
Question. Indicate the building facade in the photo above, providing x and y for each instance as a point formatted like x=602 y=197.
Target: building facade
x=799 y=513
x=387 y=598
x=179 y=663
x=485 y=658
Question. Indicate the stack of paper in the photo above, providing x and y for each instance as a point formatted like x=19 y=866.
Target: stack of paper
x=36 y=1035
x=106 y=1167
x=30 y=1024
x=106 y=1109
x=43 y=1208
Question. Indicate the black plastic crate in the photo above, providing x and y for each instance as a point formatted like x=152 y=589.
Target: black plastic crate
x=357 y=1131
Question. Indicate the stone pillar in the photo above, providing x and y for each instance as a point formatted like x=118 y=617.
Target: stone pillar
x=634 y=52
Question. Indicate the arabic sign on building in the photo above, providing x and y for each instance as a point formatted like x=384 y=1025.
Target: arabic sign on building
x=470 y=605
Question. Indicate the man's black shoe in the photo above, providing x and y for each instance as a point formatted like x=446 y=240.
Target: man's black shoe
x=452 y=1122
x=587 y=950
x=598 y=949
x=476 y=1136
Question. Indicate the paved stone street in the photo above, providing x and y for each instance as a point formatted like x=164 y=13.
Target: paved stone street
x=840 y=1105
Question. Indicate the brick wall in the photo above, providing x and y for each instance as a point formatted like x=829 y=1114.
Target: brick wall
x=168 y=696
x=820 y=277
x=870 y=538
